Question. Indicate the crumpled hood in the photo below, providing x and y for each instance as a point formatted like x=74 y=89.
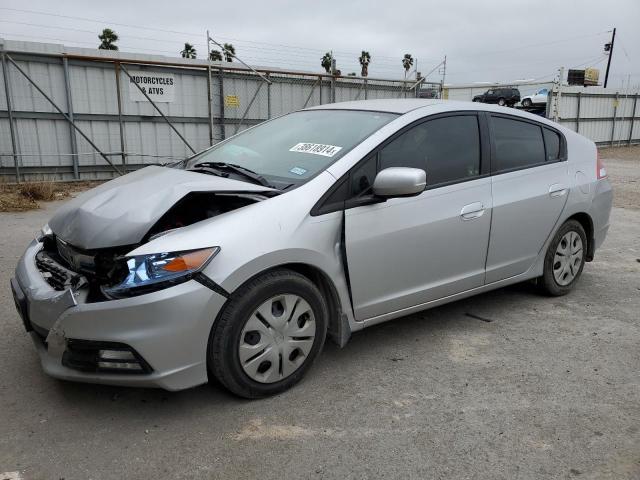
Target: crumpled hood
x=122 y=211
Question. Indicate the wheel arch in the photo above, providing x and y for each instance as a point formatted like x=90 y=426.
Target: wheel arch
x=338 y=329
x=587 y=223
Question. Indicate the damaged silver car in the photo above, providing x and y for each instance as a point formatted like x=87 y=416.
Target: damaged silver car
x=239 y=262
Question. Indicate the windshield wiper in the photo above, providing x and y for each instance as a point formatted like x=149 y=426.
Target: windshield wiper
x=237 y=169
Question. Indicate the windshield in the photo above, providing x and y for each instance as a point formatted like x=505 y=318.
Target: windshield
x=290 y=150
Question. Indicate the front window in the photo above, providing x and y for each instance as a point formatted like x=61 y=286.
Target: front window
x=290 y=150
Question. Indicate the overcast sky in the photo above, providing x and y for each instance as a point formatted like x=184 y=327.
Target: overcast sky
x=484 y=40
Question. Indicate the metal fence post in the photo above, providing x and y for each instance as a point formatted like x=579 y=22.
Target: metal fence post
x=320 y=81
x=221 y=92
x=7 y=92
x=268 y=97
x=72 y=132
x=209 y=105
x=120 y=124
x=613 y=123
x=366 y=89
x=332 y=95
x=578 y=113
x=633 y=117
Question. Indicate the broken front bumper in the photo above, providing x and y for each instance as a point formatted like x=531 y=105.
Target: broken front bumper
x=169 y=329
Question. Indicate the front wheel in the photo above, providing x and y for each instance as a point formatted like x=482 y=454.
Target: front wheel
x=501 y=102
x=564 y=259
x=526 y=102
x=268 y=335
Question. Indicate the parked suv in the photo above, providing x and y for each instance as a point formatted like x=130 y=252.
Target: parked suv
x=501 y=96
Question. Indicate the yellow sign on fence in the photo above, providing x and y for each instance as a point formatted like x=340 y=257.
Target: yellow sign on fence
x=231 y=101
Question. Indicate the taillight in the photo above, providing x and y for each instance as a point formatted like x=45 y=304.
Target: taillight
x=601 y=172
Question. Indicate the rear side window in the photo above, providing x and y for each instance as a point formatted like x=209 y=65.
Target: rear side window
x=448 y=149
x=517 y=144
x=553 y=145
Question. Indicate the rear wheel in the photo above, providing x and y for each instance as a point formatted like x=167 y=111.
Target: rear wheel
x=526 y=102
x=269 y=334
x=564 y=259
x=501 y=102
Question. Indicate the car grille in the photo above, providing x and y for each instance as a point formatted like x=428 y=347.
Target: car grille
x=76 y=260
x=55 y=274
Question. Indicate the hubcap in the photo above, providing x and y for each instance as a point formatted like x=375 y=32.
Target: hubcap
x=277 y=338
x=568 y=258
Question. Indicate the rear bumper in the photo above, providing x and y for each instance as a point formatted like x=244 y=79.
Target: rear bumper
x=601 y=210
x=169 y=328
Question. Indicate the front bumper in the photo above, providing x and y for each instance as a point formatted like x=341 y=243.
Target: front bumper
x=169 y=328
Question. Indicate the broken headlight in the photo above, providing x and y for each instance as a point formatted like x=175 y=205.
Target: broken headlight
x=147 y=273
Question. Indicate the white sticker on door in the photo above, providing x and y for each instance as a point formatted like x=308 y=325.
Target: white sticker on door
x=316 y=149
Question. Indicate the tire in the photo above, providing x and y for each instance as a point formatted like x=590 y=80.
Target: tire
x=560 y=276
x=246 y=344
x=501 y=102
x=527 y=102
x=476 y=100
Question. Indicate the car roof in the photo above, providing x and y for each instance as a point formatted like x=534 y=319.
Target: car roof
x=405 y=105
x=391 y=105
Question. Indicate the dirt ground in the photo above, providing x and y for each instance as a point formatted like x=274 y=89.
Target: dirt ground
x=623 y=167
x=25 y=196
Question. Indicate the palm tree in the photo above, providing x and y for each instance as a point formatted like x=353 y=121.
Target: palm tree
x=407 y=63
x=326 y=61
x=189 y=51
x=365 y=60
x=108 y=40
x=215 y=56
x=229 y=52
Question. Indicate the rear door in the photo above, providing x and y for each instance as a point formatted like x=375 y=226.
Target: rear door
x=408 y=251
x=530 y=187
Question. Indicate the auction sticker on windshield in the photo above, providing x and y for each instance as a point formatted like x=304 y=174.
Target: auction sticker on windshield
x=316 y=149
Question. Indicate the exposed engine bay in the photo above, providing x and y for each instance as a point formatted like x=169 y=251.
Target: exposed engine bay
x=64 y=265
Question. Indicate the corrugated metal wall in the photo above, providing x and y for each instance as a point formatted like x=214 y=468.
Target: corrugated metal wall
x=46 y=142
x=605 y=115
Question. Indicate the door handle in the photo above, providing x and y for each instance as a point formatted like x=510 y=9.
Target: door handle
x=557 y=190
x=471 y=211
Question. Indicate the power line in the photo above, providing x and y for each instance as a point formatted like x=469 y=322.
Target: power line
x=284 y=55
x=192 y=34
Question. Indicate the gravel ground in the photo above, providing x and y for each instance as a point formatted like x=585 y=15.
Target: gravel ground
x=623 y=167
x=505 y=385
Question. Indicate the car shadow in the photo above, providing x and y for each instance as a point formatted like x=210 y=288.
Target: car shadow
x=474 y=313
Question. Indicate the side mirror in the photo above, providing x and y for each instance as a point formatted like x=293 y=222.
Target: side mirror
x=399 y=182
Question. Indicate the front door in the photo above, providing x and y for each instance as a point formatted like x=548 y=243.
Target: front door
x=409 y=251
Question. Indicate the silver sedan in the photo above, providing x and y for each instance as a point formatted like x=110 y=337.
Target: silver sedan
x=239 y=262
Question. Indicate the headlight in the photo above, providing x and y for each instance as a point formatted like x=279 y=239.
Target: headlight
x=147 y=273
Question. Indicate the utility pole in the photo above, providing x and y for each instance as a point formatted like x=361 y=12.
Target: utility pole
x=608 y=47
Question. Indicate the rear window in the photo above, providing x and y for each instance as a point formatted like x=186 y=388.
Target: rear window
x=517 y=144
x=553 y=145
